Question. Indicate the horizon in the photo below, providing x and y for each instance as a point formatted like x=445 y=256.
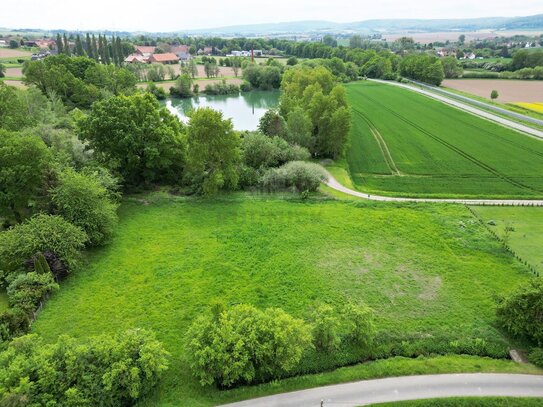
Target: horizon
x=104 y=16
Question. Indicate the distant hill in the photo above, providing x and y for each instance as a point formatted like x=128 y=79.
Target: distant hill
x=382 y=26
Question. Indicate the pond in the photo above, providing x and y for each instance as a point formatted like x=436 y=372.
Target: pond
x=245 y=109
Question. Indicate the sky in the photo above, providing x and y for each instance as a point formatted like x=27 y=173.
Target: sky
x=179 y=15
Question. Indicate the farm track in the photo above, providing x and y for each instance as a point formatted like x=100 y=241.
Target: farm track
x=452 y=147
x=381 y=142
x=334 y=184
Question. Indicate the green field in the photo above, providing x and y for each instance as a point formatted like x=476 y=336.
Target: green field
x=429 y=271
x=406 y=144
x=526 y=238
x=469 y=402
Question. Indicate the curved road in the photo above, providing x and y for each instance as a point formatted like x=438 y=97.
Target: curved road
x=470 y=109
x=392 y=389
x=334 y=184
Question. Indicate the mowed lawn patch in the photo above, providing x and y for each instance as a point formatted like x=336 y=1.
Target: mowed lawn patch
x=525 y=235
x=427 y=270
x=403 y=143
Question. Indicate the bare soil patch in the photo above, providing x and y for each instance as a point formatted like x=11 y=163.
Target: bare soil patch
x=13 y=53
x=510 y=91
x=14 y=72
x=17 y=84
x=426 y=38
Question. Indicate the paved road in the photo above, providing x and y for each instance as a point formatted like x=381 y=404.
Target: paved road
x=368 y=392
x=333 y=183
x=481 y=104
x=470 y=109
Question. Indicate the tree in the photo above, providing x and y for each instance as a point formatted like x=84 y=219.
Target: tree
x=60 y=44
x=110 y=370
x=24 y=168
x=13 y=44
x=182 y=87
x=521 y=313
x=461 y=39
x=82 y=200
x=95 y=53
x=494 y=95
x=272 y=124
x=88 y=46
x=66 y=47
x=451 y=69
x=355 y=41
x=40 y=234
x=2 y=70
x=213 y=151
x=79 y=47
x=325 y=326
x=329 y=40
x=243 y=344
x=292 y=61
x=434 y=74
x=359 y=321
x=135 y=137
x=299 y=128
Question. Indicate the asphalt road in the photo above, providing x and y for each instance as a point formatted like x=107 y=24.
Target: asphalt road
x=470 y=109
x=368 y=392
x=333 y=183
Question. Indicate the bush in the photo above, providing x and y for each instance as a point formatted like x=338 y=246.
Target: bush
x=244 y=345
x=536 y=357
x=26 y=291
x=360 y=326
x=40 y=234
x=103 y=371
x=157 y=91
x=260 y=151
x=299 y=175
x=82 y=200
x=221 y=88
x=245 y=87
x=521 y=313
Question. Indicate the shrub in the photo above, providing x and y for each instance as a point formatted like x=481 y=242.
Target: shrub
x=26 y=291
x=103 y=371
x=260 y=151
x=157 y=91
x=302 y=176
x=521 y=313
x=536 y=357
x=82 y=200
x=244 y=344
x=221 y=88
x=40 y=234
x=13 y=322
x=245 y=87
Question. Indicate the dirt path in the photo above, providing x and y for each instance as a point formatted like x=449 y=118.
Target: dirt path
x=334 y=184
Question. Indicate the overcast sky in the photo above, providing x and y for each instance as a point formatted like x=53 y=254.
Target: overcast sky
x=177 y=15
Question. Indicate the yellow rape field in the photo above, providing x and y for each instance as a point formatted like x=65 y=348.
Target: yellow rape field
x=536 y=107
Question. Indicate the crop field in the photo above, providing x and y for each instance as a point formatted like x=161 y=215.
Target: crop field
x=525 y=235
x=510 y=91
x=427 y=270
x=536 y=107
x=403 y=143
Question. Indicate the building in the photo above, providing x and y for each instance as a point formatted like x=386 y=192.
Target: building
x=182 y=52
x=145 y=51
x=206 y=51
x=133 y=58
x=3 y=43
x=167 y=58
x=43 y=43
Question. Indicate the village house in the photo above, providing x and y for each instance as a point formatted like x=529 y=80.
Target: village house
x=443 y=52
x=182 y=52
x=3 y=43
x=44 y=43
x=145 y=51
x=167 y=58
x=206 y=51
x=133 y=58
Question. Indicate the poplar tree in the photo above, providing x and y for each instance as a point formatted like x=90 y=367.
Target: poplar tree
x=66 y=46
x=88 y=46
x=79 y=47
x=94 y=48
x=60 y=45
x=120 y=52
x=106 y=51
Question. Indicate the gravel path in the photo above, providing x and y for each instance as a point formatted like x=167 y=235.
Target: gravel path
x=333 y=183
x=392 y=389
x=470 y=109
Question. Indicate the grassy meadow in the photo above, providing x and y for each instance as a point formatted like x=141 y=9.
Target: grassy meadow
x=428 y=271
x=526 y=236
x=406 y=144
